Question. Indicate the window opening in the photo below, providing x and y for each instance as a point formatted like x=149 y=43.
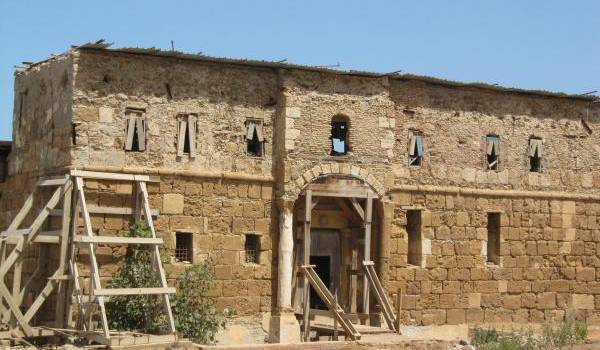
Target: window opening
x=415 y=149
x=252 y=248
x=183 y=247
x=535 y=155
x=492 y=152
x=186 y=137
x=135 y=133
x=413 y=230
x=254 y=138
x=493 y=238
x=339 y=135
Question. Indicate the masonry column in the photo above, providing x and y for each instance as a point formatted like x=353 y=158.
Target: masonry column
x=284 y=327
x=385 y=231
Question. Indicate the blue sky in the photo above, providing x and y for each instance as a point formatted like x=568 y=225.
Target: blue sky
x=550 y=45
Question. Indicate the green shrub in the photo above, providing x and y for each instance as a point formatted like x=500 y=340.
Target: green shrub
x=566 y=334
x=194 y=313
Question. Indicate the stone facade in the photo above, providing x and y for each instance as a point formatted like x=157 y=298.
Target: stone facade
x=549 y=220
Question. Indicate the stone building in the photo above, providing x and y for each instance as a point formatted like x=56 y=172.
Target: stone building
x=484 y=200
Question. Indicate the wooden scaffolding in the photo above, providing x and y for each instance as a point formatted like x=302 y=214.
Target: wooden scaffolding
x=68 y=200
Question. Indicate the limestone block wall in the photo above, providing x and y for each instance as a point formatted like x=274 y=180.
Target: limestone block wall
x=548 y=265
x=454 y=120
x=217 y=214
x=222 y=97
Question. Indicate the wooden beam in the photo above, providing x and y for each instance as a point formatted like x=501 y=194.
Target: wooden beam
x=348 y=213
x=114 y=176
x=358 y=208
x=133 y=291
x=306 y=261
x=338 y=190
x=367 y=252
x=53 y=181
x=107 y=210
x=116 y=240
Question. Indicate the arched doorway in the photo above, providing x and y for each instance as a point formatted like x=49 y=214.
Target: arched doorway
x=336 y=220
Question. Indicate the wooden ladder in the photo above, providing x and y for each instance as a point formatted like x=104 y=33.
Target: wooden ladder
x=96 y=297
x=329 y=300
x=381 y=295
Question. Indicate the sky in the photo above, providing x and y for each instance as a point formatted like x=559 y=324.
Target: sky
x=548 y=45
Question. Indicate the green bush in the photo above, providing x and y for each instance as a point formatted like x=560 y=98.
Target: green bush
x=194 y=313
x=568 y=333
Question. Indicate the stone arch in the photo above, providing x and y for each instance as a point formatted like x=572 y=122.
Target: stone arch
x=319 y=170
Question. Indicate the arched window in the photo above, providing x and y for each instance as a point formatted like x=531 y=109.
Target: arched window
x=339 y=135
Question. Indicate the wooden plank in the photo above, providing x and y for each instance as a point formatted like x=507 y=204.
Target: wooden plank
x=53 y=181
x=41 y=238
x=345 y=194
x=95 y=280
x=107 y=211
x=133 y=291
x=358 y=208
x=43 y=215
x=181 y=137
x=306 y=287
x=14 y=225
x=192 y=127
x=338 y=190
x=145 y=208
x=116 y=240
x=60 y=318
x=380 y=294
x=367 y=252
x=113 y=176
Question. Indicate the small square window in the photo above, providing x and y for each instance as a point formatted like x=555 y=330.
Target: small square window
x=493 y=238
x=183 y=247
x=252 y=248
x=413 y=230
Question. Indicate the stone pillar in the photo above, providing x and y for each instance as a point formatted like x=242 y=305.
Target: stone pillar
x=283 y=326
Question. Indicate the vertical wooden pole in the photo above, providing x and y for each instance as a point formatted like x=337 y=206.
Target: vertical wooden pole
x=17 y=271
x=61 y=293
x=367 y=253
x=306 y=286
x=398 y=310
x=335 y=324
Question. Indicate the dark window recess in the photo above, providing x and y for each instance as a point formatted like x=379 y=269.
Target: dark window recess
x=183 y=247
x=252 y=248
x=74 y=133
x=413 y=230
x=535 y=155
x=254 y=138
x=4 y=151
x=493 y=238
x=339 y=137
x=186 y=142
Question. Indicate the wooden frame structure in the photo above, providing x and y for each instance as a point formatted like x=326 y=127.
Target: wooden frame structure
x=70 y=190
x=341 y=193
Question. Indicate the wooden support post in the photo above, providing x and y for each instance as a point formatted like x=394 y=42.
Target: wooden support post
x=306 y=285
x=335 y=323
x=145 y=206
x=367 y=252
x=63 y=267
x=95 y=280
x=398 y=310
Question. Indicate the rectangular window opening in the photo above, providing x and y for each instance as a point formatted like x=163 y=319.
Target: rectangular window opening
x=492 y=152
x=493 y=238
x=183 y=247
x=252 y=248
x=339 y=132
x=186 y=135
x=535 y=155
x=413 y=230
x=254 y=138
x=415 y=149
x=135 y=131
